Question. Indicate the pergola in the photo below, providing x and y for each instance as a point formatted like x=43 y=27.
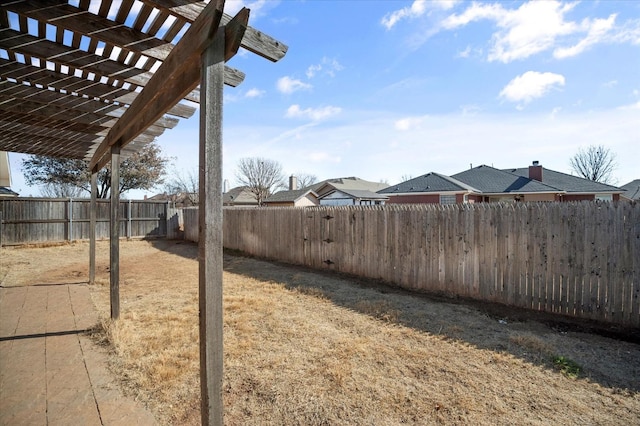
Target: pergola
x=97 y=80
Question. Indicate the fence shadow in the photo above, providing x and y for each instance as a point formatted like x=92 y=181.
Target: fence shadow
x=609 y=355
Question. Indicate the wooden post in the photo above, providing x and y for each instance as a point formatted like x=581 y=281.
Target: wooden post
x=92 y=225
x=114 y=235
x=210 y=231
x=70 y=207
x=129 y=220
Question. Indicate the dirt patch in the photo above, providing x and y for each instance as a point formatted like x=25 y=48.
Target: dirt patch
x=303 y=347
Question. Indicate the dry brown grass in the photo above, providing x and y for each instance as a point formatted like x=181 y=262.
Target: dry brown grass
x=303 y=348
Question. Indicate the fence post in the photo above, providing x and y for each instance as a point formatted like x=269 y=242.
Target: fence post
x=70 y=233
x=167 y=219
x=114 y=234
x=129 y=220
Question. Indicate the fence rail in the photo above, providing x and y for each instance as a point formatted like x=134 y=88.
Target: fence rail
x=577 y=259
x=36 y=220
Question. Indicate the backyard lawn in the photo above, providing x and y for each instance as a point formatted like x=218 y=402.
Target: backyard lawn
x=310 y=348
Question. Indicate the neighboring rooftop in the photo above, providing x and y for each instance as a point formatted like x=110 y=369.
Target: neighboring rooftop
x=6 y=192
x=362 y=194
x=431 y=182
x=493 y=181
x=240 y=195
x=566 y=182
x=631 y=190
x=289 y=196
x=347 y=183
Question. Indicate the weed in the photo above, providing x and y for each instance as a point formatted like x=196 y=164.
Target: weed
x=567 y=366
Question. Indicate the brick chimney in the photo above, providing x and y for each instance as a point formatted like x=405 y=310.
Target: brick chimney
x=535 y=171
x=293 y=183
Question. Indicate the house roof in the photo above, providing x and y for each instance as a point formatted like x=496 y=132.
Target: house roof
x=632 y=190
x=349 y=183
x=289 y=196
x=239 y=195
x=493 y=181
x=178 y=198
x=6 y=192
x=566 y=182
x=431 y=182
x=360 y=194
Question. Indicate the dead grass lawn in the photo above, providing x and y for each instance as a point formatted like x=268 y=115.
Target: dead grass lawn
x=305 y=348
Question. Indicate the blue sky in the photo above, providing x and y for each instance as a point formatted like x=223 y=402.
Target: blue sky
x=386 y=89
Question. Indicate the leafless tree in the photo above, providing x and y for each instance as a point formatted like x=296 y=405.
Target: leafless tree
x=261 y=175
x=51 y=190
x=405 y=178
x=184 y=186
x=305 y=179
x=595 y=163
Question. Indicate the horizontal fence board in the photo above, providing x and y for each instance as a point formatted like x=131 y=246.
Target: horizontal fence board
x=577 y=259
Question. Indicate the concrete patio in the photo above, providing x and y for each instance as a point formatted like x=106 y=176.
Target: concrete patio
x=51 y=372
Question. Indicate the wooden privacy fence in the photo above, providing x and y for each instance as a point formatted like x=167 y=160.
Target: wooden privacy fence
x=577 y=259
x=35 y=220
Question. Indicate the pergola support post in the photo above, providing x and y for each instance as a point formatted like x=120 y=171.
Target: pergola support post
x=114 y=234
x=93 y=206
x=210 y=224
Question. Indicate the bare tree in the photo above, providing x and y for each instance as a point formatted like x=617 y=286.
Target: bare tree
x=405 y=178
x=51 y=190
x=184 y=187
x=261 y=175
x=595 y=163
x=305 y=179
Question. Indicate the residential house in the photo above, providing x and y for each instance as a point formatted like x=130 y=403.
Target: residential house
x=429 y=188
x=179 y=199
x=293 y=198
x=5 y=176
x=352 y=197
x=631 y=190
x=487 y=184
x=349 y=191
x=574 y=188
x=239 y=196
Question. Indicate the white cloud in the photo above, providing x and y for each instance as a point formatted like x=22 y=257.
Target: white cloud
x=632 y=106
x=470 y=109
x=258 y=8
x=465 y=53
x=329 y=66
x=531 y=85
x=610 y=84
x=312 y=70
x=315 y=114
x=254 y=93
x=289 y=85
x=596 y=29
x=538 y=26
x=408 y=123
x=417 y=9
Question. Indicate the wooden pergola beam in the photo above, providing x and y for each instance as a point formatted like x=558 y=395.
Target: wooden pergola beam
x=253 y=40
x=178 y=74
